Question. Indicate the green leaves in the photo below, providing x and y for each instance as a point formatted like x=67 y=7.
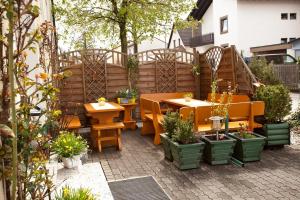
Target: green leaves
x=277 y=102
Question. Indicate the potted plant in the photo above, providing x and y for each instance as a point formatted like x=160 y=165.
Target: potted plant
x=125 y=96
x=169 y=125
x=69 y=147
x=186 y=149
x=249 y=145
x=68 y=193
x=219 y=147
x=277 y=106
x=188 y=96
x=101 y=101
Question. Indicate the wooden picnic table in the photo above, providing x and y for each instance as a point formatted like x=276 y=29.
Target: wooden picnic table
x=183 y=103
x=104 y=116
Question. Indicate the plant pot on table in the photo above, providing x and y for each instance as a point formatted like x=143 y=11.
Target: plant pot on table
x=187 y=156
x=218 y=151
x=126 y=100
x=166 y=142
x=248 y=149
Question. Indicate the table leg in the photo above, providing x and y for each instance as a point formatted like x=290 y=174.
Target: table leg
x=128 y=121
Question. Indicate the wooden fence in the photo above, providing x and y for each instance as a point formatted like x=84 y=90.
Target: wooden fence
x=97 y=73
x=288 y=74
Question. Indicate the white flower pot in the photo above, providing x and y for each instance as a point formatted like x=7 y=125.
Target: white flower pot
x=101 y=103
x=72 y=162
x=188 y=99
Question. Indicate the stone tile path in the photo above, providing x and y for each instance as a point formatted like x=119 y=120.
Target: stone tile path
x=277 y=176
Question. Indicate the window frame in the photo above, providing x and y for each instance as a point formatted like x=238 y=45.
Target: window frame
x=222 y=19
x=285 y=39
x=287 y=16
x=293 y=14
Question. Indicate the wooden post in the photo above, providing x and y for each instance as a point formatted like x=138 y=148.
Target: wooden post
x=197 y=78
x=233 y=61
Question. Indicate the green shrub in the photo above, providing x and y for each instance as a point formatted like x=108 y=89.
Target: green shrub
x=263 y=71
x=170 y=123
x=68 y=193
x=294 y=119
x=278 y=103
x=68 y=145
x=184 y=134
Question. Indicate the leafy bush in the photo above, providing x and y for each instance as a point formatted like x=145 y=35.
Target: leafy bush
x=263 y=71
x=68 y=145
x=294 y=119
x=278 y=103
x=127 y=93
x=170 y=123
x=68 y=193
x=184 y=134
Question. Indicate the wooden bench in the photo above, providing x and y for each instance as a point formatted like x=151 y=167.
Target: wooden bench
x=236 y=98
x=159 y=97
x=152 y=118
x=100 y=134
x=243 y=112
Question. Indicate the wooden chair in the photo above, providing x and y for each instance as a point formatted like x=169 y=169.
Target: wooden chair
x=69 y=119
x=100 y=136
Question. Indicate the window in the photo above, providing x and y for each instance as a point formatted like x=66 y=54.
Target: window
x=224 y=25
x=179 y=42
x=291 y=39
x=293 y=16
x=284 y=16
x=284 y=40
x=174 y=43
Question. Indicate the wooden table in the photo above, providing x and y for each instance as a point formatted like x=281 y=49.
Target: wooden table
x=103 y=114
x=128 y=121
x=183 y=103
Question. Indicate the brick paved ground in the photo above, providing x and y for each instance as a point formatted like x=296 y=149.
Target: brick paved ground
x=277 y=176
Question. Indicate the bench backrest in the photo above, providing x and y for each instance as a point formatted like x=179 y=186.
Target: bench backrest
x=242 y=110
x=236 y=98
x=202 y=115
x=161 y=96
x=258 y=108
x=146 y=106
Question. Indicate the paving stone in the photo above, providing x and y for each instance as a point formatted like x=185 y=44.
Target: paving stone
x=276 y=176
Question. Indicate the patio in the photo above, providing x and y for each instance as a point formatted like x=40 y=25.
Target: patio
x=276 y=176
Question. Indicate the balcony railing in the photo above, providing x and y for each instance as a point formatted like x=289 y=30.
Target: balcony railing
x=202 y=40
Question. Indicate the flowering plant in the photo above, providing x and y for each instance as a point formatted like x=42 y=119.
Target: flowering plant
x=68 y=193
x=244 y=132
x=101 y=99
x=68 y=145
x=189 y=94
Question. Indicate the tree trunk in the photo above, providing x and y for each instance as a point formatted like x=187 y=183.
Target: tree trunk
x=123 y=37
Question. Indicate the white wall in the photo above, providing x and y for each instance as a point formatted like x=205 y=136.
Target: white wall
x=207 y=22
x=259 y=23
x=156 y=43
x=223 y=8
x=204 y=48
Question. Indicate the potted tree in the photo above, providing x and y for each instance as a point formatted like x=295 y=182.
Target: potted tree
x=186 y=149
x=277 y=106
x=170 y=125
x=69 y=147
x=249 y=145
x=219 y=147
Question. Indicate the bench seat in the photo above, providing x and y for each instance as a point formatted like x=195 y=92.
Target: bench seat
x=115 y=125
x=159 y=117
x=72 y=121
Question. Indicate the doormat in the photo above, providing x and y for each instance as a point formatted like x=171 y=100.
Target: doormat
x=142 y=188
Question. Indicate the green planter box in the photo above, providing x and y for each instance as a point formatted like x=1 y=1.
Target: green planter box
x=247 y=150
x=166 y=141
x=218 y=152
x=187 y=156
x=276 y=134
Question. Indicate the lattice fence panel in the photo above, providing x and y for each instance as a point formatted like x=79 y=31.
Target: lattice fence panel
x=94 y=76
x=166 y=72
